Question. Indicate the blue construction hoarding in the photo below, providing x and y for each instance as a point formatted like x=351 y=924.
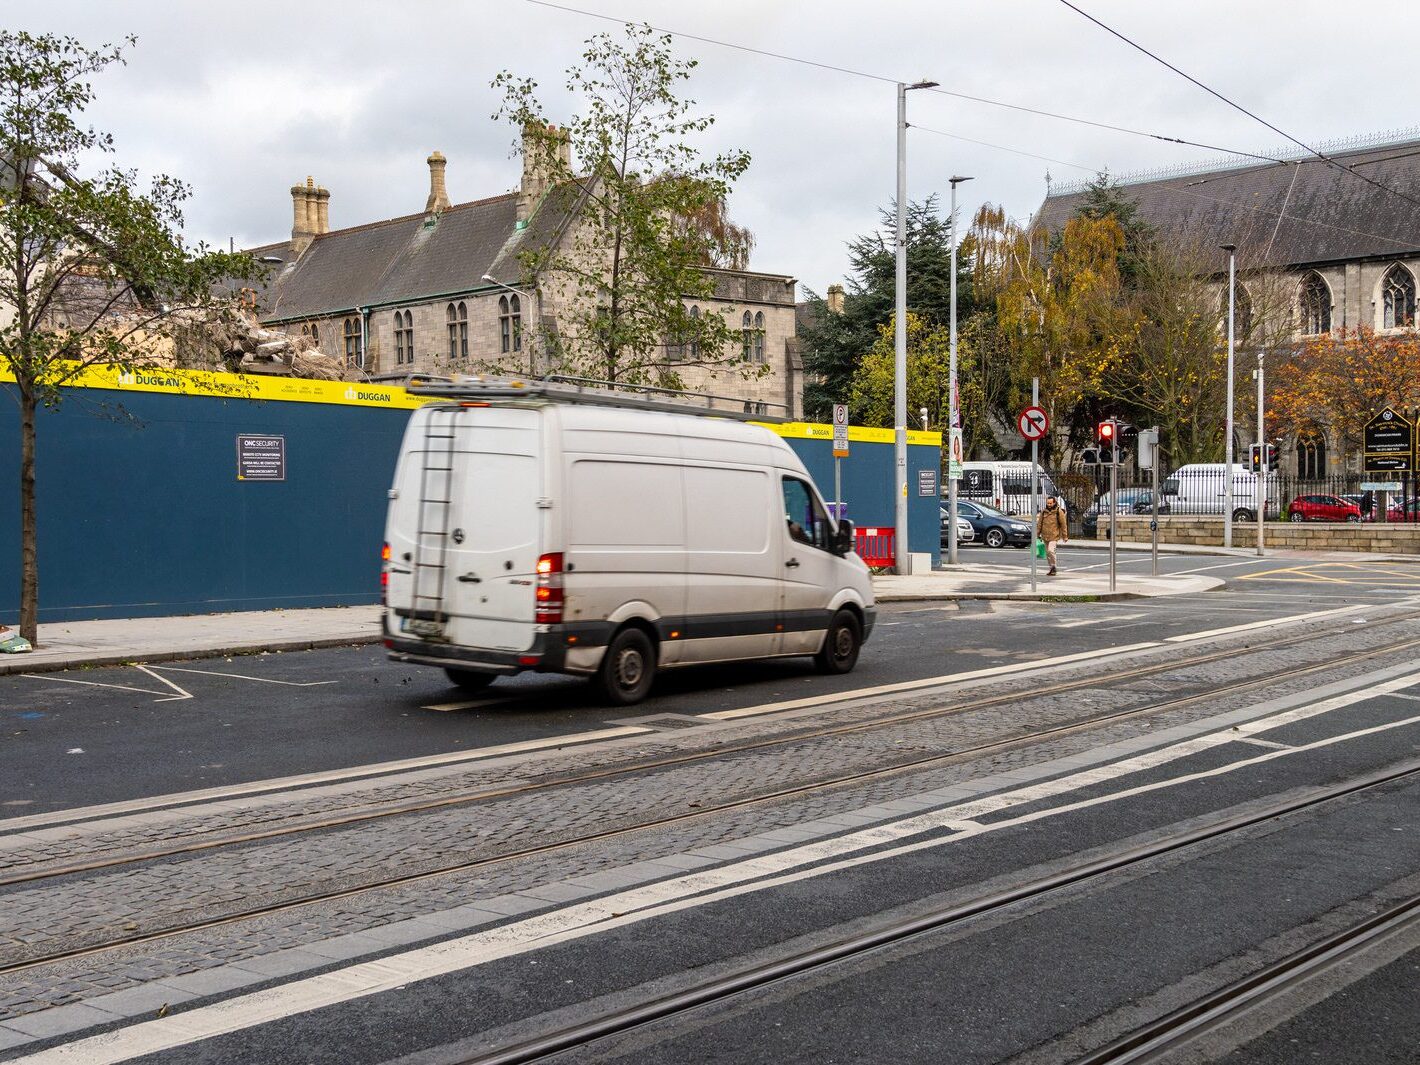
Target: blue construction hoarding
x=166 y=495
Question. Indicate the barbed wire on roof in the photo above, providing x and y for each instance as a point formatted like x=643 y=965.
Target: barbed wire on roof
x=1287 y=154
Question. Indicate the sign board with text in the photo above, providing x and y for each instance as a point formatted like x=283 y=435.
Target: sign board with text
x=955 y=454
x=927 y=483
x=261 y=458
x=840 y=430
x=1389 y=443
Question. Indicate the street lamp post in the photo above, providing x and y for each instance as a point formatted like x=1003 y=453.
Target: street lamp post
x=1231 y=249
x=902 y=559
x=954 y=418
x=528 y=301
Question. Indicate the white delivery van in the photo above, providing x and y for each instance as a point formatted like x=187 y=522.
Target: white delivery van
x=542 y=526
x=1004 y=485
x=1200 y=488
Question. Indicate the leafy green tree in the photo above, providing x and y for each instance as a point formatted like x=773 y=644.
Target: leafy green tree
x=94 y=267
x=834 y=345
x=928 y=380
x=649 y=214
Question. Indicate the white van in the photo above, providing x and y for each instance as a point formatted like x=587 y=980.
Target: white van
x=541 y=526
x=1199 y=488
x=1004 y=485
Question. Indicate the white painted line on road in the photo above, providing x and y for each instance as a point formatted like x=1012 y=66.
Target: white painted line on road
x=446 y=707
x=693 y=890
x=927 y=682
x=1268 y=623
x=576 y=739
x=93 y=684
x=242 y=676
x=1102 y=620
x=182 y=693
x=1228 y=565
x=1270 y=744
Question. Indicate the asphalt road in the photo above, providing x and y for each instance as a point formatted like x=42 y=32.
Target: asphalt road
x=107 y=734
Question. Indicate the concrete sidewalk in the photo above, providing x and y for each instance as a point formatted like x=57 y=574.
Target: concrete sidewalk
x=1131 y=547
x=67 y=645
x=981 y=581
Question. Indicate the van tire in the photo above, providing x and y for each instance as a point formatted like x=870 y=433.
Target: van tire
x=1242 y=515
x=841 y=644
x=470 y=680
x=628 y=668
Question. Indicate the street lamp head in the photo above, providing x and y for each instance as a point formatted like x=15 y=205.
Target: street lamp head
x=489 y=279
x=1229 y=248
x=955 y=181
x=923 y=85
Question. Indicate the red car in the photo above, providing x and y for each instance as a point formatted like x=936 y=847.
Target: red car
x=1323 y=508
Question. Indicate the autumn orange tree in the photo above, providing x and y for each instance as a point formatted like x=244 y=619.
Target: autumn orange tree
x=1340 y=380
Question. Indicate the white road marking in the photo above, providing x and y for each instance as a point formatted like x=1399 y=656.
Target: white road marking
x=182 y=693
x=469 y=705
x=1268 y=623
x=92 y=684
x=1228 y=565
x=1272 y=745
x=637 y=905
x=1101 y=620
x=114 y=809
x=242 y=676
x=926 y=682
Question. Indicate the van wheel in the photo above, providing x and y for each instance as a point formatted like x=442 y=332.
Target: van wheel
x=1242 y=515
x=839 y=653
x=628 y=668
x=470 y=680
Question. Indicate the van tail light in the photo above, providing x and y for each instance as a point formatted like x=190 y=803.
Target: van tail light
x=550 y=593
x=384 y=575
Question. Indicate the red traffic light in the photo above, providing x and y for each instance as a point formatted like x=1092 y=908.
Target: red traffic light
x=1107 y=432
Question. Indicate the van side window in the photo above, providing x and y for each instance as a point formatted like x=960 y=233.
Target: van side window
x=804 y=517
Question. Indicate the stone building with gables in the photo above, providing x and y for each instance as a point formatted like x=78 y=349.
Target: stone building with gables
x=444 y=290
x=1319 y=248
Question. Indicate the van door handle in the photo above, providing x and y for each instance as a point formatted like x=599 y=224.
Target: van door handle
x=793 y=563
x=469 y=578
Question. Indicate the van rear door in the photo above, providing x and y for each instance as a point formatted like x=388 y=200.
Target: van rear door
x=468 y=526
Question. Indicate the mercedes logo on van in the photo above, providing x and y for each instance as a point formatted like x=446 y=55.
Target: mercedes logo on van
x=457 y=536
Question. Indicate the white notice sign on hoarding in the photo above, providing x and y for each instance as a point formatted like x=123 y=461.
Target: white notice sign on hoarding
x=840 y=430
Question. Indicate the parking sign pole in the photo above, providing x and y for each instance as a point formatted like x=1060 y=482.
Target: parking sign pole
x=1154 y=499
x=1261 y=458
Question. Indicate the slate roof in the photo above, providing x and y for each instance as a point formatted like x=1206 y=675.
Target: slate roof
x=1284 y=214
x=405 y=260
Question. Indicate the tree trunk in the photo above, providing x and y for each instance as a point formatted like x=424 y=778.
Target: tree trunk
x=29 y=546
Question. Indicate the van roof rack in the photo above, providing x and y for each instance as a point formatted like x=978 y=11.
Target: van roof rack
x=560 y=388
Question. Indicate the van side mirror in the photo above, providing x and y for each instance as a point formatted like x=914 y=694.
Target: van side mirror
x=843 y=541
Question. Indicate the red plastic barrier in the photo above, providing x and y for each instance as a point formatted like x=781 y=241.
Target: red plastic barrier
x=875 y=546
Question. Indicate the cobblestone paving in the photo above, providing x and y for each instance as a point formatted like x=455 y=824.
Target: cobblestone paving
x=79 y=910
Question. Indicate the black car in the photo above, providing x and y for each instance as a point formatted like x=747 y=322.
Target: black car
x=995 y=528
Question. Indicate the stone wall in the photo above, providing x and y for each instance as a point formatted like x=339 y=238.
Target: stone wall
x=1207 y=531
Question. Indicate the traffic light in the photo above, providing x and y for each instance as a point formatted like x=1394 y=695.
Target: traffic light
x=1090 y=456
x=1257 y=454
x=1254 y=457
x=1107 y=436
x=1273 y=458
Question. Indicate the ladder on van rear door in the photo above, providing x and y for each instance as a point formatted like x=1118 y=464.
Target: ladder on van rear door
x=436 y=497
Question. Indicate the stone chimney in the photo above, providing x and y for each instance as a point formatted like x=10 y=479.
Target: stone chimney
x=438 y=195
x=536 y=175
x=322 y=202
x=304 y=215
x=834 y=299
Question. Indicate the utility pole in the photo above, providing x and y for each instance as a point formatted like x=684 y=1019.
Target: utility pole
x=954 y=420
x=1261 y=456
x=1231 y=249
x=902 y=558
x=1034 y=483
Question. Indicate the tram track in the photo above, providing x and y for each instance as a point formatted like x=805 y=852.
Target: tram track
x=193 y=846
x=1152 y=1043
x=855 y=778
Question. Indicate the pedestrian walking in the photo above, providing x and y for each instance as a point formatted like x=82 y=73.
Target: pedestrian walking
x=1051 y=527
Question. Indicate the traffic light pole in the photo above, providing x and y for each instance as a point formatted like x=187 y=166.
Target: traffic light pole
x=1034 y=484
x=1113 y=509
x=1262 y=458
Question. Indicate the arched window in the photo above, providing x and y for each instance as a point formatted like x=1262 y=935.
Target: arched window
x=315 y=333
x=1311 y=456
x=354 y=343
x=1398 y=298
x=747 y=333
x=403 y=337
x=695 y=338
x=1314 y=305
x=457 y=315
x=510 y=324
x=758 y=336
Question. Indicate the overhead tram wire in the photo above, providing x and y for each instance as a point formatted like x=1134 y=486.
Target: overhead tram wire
x=1344 y=168
x=550 y=4
x=784 y=57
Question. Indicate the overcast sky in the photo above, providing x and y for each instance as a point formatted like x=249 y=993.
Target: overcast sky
x=243 y=100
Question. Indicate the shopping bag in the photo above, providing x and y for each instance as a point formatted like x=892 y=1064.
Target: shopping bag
x=1040 y=549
